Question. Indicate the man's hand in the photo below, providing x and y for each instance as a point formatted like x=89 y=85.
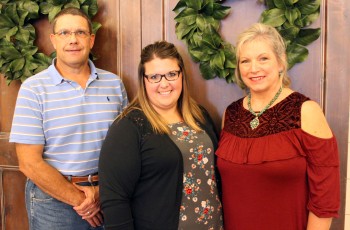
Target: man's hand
x=89 y=209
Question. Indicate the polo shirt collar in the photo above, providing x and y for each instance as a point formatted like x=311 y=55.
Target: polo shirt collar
x=58 y=79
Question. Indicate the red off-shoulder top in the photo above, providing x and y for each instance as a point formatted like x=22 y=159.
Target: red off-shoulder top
x=274 y=175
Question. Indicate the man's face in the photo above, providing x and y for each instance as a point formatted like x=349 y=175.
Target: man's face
x=72 y=49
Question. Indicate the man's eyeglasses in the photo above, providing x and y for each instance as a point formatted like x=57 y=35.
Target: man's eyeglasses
x=171 y=76
x=65 y=34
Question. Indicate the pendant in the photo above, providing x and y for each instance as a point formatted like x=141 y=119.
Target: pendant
x=254 y=123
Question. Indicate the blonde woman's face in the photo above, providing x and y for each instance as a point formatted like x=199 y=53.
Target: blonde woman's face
x=164 y=95
x=259 y=66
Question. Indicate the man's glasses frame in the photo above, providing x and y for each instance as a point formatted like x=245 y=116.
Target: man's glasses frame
x=65 y=34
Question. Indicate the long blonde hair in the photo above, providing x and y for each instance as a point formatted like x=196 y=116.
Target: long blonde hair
x=188 y=108
x=271 y=35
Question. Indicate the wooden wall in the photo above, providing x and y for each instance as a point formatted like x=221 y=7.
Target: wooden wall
x=130 y=25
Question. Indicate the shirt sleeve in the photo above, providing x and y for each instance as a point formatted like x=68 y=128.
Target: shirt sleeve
x=27 y=124
x=323 y=175
x=119 y=171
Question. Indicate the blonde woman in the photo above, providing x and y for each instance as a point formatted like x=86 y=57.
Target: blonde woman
x=277 y=156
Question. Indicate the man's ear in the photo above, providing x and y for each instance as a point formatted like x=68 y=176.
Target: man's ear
x=53 y=40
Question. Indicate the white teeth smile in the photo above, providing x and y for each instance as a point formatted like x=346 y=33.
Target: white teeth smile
x=165 y=93
x=256 y=78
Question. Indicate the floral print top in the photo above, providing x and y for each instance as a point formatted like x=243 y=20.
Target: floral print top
x=200 y=207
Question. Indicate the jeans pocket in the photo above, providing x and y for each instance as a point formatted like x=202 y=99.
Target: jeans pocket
x=36 y=193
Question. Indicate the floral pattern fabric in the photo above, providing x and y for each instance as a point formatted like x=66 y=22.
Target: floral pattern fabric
x=200 y=207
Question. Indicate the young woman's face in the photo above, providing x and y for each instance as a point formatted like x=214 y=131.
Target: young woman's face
x=164 y=95
x=259 y=66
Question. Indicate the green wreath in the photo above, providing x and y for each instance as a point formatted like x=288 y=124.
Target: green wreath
x=198 y=23
x=19 y=56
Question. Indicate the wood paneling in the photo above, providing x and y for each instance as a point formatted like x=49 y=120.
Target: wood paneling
x=12 y=199
x=337 y=84
x=128 y=26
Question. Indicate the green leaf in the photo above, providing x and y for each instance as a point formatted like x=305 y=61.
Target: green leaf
x=208 y=8
x=274 y=17
x=85 y=9
x=179 y=7
x=218 y=60
x=11 y=12
x=296 y=53
x=29 y=50
x=17 y=64
x=199 y=54
x=289 y=31
x=3 y=32
x=55 y=10
x=196 y=40
x=32 y=9
x=93 y=9
x=30 y=65
x=310 y=8
x=95 y=27
x=59 y=2
x=203 y=22
x=206 y=22
x=87 y=2
x=308 y=19
x=230 y=58
x=30 y=28
x=6 y=22
x=182 y=30
x=223 y=73
x=2 y=61
x=194 y=4
x=187 y=16
x=23 y=35
x=10 y=52
x=42 y=59
x=283 y=4
x=270 y=4
x=40 y=68
x=292 y=15
x=11 y=33
x=45 y=8
x=220 y=12
x=22 y=17
x=307 y=36
x=212 y=38
x=73 y=3
x=206 y=71
x=230 y=78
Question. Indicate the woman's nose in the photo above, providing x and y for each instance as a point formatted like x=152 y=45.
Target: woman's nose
x=254 y=66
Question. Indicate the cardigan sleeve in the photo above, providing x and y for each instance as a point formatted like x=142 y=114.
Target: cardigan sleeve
x=119 y=171
x=323 y=175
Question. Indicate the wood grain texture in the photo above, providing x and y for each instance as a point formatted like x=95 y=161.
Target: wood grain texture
x=128 y=26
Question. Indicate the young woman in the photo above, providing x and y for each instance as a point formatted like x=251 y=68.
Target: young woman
x=157 y=162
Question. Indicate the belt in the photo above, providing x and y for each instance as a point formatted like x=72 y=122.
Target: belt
x=89 y=180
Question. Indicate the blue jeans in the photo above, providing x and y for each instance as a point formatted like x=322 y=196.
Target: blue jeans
x=46 y=212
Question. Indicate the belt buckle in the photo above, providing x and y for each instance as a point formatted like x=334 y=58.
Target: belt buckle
x=90 y=178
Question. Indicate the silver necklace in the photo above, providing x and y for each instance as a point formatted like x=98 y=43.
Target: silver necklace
x=255 y=122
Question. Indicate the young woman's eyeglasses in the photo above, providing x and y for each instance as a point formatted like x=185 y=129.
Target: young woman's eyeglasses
x=65 y=34
x=170 y=76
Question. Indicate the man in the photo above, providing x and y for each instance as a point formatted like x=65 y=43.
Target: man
x=61 y=118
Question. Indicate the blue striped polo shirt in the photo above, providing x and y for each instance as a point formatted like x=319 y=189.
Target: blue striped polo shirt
x=71 y=122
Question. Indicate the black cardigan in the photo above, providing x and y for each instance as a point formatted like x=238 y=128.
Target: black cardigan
x=141 y=175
